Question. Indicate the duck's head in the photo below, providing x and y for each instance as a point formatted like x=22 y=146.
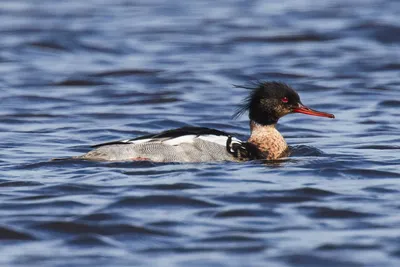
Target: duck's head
x=269 y=101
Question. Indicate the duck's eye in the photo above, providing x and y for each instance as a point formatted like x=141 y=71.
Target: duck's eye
x=285 y=99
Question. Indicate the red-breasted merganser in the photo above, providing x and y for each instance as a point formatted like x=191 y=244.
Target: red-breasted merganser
x=266 y=103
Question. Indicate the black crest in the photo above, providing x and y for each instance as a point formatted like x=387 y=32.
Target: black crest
x=264 y=100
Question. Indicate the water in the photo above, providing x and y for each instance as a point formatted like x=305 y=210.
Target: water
x=77 y=73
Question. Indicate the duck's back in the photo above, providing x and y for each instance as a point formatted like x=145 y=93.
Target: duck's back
x=187 y=144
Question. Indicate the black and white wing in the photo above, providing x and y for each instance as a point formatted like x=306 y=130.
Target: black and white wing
x=176 y=136
x=206 y=139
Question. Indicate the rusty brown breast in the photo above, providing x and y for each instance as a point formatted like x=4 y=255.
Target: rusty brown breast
x=268 y=139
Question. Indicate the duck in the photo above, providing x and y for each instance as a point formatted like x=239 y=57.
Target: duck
x=266 y=103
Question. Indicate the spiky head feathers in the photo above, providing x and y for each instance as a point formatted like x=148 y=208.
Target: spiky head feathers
x=268 y=101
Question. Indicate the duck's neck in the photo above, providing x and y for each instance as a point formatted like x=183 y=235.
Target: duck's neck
x=268 y=140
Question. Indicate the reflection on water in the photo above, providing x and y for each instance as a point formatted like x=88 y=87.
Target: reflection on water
x=78 y=73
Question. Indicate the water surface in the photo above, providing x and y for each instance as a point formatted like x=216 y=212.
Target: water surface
x=77 y=73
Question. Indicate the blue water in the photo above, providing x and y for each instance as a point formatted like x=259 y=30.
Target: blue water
x=76 y=73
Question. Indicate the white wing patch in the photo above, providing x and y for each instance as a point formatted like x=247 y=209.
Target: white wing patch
x=218 y=139
x=179 y=140
x=188 y=139
x=168 y=141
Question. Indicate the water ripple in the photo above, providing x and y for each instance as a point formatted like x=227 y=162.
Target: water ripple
x=77 y=73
